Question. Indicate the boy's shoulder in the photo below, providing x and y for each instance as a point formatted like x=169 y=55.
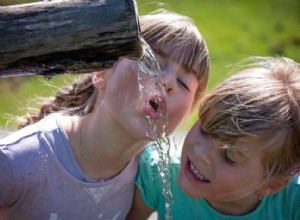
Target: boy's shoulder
x=294 y=186
x=289 y=198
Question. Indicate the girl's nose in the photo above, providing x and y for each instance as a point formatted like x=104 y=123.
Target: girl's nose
x=203 y=153
x=168 y=89
x=168 y=78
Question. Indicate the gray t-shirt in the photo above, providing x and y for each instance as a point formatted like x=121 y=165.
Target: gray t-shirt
x=35 y=184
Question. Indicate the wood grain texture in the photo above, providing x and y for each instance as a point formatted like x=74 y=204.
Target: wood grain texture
x=73 y=36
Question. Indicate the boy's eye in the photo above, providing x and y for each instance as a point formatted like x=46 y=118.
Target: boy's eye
x=183 y=84
x=228 y=156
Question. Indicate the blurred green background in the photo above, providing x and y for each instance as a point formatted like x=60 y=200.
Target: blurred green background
x=233 y=30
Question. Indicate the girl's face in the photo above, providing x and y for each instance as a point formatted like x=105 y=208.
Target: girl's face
x=180 y=88
x=123 y=96
x=218 y=174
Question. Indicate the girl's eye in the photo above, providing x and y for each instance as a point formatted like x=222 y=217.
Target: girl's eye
x=183 y=84
x=228 y=155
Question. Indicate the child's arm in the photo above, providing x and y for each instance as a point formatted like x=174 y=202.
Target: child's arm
x=139 y=210
x=148 y=197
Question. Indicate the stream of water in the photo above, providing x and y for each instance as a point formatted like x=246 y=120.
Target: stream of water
x=149 y=77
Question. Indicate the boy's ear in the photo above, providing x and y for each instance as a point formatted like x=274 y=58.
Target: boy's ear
x=276 y=184
x=99 y=79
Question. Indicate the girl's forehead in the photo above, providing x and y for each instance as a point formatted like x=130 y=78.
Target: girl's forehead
x=176 y=55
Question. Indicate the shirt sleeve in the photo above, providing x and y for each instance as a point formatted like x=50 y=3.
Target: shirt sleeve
x=294 y=197
x=7 y=182
x=148 y=179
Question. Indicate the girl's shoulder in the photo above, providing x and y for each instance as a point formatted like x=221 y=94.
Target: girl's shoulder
x=30 y=131
x=31 y=141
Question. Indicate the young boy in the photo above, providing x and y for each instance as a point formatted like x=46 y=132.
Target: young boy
x=240 y=158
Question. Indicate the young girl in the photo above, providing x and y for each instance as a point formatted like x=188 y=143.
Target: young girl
x=80 y=161
x=240 y=158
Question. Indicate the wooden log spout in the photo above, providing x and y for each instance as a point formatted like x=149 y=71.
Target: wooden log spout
x=67 y=36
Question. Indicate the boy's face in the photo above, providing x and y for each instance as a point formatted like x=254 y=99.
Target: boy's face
x=123 y=96
x=218 y=174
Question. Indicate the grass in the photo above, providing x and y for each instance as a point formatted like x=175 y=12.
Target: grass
x=233 y=30
x=15 y=2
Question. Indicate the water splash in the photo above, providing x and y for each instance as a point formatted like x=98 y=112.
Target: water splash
x=150 y=83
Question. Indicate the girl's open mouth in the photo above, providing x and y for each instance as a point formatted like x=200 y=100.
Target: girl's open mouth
x=154 y=104
x=155 y=107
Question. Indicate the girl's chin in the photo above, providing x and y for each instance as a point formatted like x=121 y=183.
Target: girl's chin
x=138 y=132
x=149 y=112
x=144 y=132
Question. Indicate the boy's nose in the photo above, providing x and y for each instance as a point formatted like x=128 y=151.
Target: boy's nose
x=203 y=153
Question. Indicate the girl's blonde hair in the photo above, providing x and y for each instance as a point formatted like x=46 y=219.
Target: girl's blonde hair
x=177 y=37
x=173 y=34
x=263 y=100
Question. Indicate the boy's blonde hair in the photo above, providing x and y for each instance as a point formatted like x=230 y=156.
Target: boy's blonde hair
x=171 y=33
x=263 y=100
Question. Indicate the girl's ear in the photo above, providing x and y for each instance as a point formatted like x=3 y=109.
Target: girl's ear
x=99 y=79
x=276 y=184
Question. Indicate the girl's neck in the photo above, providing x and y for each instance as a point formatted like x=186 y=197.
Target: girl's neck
x=101 y=149
x=239 y=207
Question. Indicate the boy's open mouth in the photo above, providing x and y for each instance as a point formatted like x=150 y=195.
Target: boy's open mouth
x=197 y=175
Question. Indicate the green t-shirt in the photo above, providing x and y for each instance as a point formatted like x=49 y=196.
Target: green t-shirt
x=284 y=205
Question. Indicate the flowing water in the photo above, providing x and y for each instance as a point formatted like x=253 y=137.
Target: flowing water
x=150 y=84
